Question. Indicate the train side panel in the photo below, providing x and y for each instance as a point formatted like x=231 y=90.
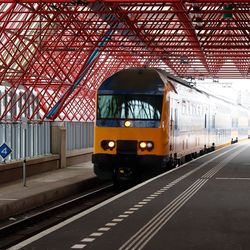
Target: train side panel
x=189 y=118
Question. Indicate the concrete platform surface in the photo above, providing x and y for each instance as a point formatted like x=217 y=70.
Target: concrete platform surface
x=16 y=198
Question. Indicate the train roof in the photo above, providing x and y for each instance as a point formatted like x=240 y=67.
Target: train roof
x=139 y=81
x=144 y=80
x=134 y=80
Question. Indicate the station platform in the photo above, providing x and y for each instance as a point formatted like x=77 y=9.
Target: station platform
x=204 y=204
x=15 y=198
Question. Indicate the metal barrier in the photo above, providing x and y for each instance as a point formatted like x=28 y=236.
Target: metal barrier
x=38 y=138
x=36 y=142
x=79 y=135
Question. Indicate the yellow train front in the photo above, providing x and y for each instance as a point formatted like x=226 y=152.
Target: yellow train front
x=130 y=133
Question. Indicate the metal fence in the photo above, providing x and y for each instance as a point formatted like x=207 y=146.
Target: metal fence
x=36 y=142
x=79 y=135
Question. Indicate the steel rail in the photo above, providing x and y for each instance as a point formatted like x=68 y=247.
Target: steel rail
x=41 y=220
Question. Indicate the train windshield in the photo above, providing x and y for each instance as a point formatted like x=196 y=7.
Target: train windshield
x=136 y=107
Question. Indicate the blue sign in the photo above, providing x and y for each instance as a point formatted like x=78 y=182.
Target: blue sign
x=5 y=150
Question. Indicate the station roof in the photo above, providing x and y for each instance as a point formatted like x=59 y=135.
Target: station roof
x=58 y=52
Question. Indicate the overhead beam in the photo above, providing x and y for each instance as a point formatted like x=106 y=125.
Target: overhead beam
x=123 y=1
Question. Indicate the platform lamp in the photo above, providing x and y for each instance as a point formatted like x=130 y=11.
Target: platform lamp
x=197 y=17
x=228 y=15
x=184 y=59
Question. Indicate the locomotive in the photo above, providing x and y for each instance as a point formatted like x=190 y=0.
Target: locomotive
x=148 y=120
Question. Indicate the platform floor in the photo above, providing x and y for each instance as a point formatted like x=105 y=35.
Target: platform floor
x=204 y=204
x=16 y=198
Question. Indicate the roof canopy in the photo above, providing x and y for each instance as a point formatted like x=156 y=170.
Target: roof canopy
x=49 y=48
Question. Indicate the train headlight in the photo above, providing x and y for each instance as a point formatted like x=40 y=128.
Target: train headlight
x=111 y=144
x=148 y=145
x=108 y=144
x=127 y=124
x=143 y=145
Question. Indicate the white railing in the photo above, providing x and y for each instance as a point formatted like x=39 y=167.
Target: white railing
x=80 y=135
x=35 y=143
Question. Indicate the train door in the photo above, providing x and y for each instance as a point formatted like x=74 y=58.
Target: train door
x=174 y=134
x=206 y=127
x=173 y=127
x=209 y=126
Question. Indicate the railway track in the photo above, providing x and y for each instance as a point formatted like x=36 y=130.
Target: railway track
x=31 y=224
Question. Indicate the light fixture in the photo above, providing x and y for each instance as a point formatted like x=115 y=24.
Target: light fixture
x=127 y=124
x=146 y=145
x=184 y=59
x=143 y=145
x=108 y=144
x=228 y=15
x=149 y=145
x=111 y=144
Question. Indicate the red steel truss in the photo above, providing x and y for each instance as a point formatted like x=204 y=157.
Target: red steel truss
x=45 y=44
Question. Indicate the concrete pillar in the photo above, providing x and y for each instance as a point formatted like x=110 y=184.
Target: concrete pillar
x=58 y=143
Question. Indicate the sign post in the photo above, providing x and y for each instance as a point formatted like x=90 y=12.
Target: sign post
x=24 y=124
x=5 y=150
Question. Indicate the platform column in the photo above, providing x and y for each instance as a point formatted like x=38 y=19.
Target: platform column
x=58 y=143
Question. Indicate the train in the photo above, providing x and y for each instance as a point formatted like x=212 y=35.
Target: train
x=148 y=120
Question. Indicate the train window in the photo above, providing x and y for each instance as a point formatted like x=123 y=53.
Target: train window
x=194 y=109
x=138 y=109
x=142 y=107
x=176 y=119
x=198 y=109
x=191 y=109
x=184 y=108
x=188 y=108
x=213 y=121
x=171 y=119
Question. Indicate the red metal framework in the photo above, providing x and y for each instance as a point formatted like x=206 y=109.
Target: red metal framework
x=44 y=45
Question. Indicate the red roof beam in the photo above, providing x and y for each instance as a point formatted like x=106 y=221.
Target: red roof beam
x=120 y=1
